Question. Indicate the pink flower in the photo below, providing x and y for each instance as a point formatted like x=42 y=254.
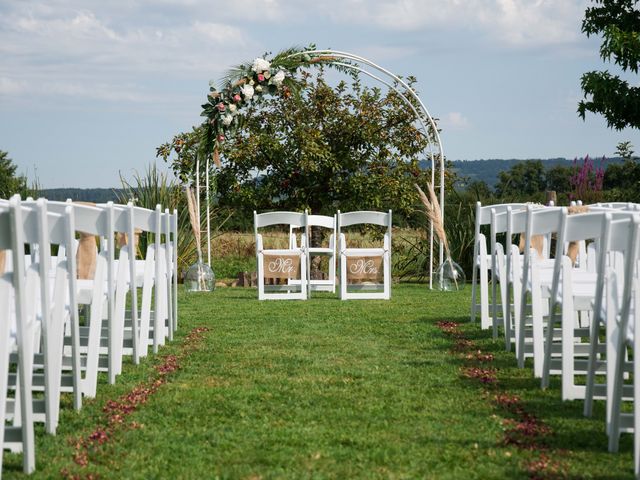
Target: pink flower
x=221 y=138
x=221 y=107
x=260 y=77
x=237 y=98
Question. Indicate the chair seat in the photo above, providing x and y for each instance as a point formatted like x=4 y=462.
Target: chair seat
x=320 y=251
x=363 y=252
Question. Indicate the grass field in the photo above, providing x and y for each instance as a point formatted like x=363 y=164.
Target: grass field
x=328 y=389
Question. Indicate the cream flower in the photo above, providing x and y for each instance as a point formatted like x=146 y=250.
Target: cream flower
x=259 y=89
x=260 y=65
x=232 y=107
x=226 y=120
x=278 y=78
x=247 y=91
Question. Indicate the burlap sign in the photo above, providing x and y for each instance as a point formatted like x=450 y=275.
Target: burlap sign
x=364 y=269
x=281 y=266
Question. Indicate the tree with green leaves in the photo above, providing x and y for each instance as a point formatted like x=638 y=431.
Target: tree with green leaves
x=524 y=180
x=618 y=21
x=348 y=147
x=625 y=150
x=10 y=182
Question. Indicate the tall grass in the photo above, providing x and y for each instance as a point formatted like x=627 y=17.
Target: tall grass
x=154 y=187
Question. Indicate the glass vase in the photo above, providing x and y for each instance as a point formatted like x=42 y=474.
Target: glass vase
x=200 y=278
x=450 y=277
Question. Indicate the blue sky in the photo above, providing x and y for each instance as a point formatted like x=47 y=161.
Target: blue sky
x=89 y=89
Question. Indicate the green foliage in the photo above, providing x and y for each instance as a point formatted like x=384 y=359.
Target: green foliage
x=523 y=179
x=618 y=22
x=625 y=150
x=324 y=150
x=154 y=187
x=10 y=182
x=558 y=179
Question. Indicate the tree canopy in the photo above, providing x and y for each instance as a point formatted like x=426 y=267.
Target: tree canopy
x=10 y=183
x=348 y=147
x=618 y=22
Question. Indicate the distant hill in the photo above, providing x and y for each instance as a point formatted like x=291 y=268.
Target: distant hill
x=96 y=195
x=474 y=170
x=488 y=170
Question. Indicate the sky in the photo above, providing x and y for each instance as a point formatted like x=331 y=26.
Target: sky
x=89 y=89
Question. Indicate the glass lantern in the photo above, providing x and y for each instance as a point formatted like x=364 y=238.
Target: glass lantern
x=450 y=277
x=200 y=278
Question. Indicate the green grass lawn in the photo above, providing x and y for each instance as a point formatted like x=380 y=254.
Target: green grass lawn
x=326 y=389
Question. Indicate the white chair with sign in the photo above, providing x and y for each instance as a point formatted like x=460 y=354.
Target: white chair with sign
x=282 y=272
x=365 y=273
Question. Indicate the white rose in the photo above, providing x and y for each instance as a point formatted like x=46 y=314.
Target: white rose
x=247 y=91
x=260 y=65
x=278 y=78
x=267 y=74
x=232 y=108
x=226 y=120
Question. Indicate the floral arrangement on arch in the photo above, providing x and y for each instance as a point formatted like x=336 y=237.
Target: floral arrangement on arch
x=246 y=82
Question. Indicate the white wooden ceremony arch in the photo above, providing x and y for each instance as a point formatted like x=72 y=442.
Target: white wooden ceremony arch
x=425 y=122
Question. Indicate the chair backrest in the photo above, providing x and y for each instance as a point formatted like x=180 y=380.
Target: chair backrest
x=541 y=222
x=321 y=221
x=363 y=217
x=278 y=218
x=294 y=220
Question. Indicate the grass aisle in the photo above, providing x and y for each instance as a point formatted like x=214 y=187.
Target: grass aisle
x=320 y=389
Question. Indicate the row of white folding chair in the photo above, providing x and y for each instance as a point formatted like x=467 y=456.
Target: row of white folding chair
x=298 y=288
x=577 y=290
x=123 y=276
x=101 y=222
x=538 y=277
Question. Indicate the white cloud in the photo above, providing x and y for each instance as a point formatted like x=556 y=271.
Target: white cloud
x=92 y=52
x=454 y=121
x=11 y=87
x=519 y=23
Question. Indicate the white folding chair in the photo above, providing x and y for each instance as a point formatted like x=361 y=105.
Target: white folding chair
x=360 y=276
x=328 y=251
x=288 y=264
x=536 y=278
x=617 y=254
x=574 y=290
x=150 y=276
x=483 y=262
x=18 y=336
x=623 y=323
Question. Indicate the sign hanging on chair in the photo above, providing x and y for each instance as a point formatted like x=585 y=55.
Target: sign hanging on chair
x=281 y=266
x=367 y=269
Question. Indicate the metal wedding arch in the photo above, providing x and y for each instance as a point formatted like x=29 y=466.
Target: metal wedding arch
x=426 y=125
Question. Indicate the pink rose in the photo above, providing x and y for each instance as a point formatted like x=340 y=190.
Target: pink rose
x=221 y=138
x=237 y=98
x=221 y=107
x=260 y=77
